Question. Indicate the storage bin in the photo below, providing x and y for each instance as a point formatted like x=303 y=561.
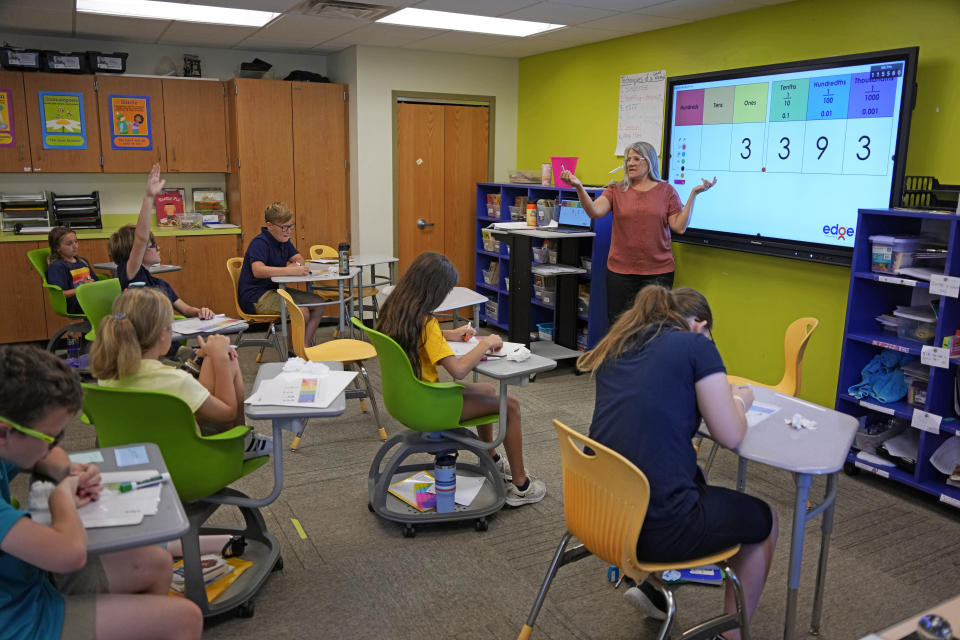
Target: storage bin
x=545 y=282
x=99 y=62
x=517 y=213
x=545 y=330
x=552 y=256
x=548 y=297
x=583 y=307
x=586 y=263
x=190 y=220
x=65 y=62
x=888 y=254
x=916 y=330
x=875 y=428
x=20 y=59
x=493 y=211
x=490 y=274
x=538 y=292
x=490 y=243
x=491 y=309
x=540 y=254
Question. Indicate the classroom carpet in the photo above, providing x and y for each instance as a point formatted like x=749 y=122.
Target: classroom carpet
x=894 y=551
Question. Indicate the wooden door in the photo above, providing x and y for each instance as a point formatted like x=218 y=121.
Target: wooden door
x=14 y=139
x=262 y=120
x=134 y=154
x=22 y=291
x=205 y=281
x=63 y=160
x=420 y=148
x=194 y=116
x=466 y=143
x=320 y=150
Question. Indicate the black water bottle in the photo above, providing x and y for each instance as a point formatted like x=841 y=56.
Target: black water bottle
x=343 y=255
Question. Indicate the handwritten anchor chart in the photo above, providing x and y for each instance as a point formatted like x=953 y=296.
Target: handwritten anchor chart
x=807 y=137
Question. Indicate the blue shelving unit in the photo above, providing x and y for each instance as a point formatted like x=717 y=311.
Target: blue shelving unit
x=595 y=248
x=872 y=294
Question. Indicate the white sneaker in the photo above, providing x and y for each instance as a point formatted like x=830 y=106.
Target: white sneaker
x=642 y=601
x=533 y=493
x=257 y=446
x=503 y=466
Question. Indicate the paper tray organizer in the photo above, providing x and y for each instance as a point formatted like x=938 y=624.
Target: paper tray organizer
x=77 y=211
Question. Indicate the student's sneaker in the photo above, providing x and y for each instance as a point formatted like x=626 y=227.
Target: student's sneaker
x=257 y=445
x=192 y=365
x=535 y=492
x=648 y=600
x=503 y=466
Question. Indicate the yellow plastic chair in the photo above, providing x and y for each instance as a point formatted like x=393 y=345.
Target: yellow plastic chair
x=605 y=499
x=272 y=339
x=349 y=352
x=794 y=344
x=322 y=251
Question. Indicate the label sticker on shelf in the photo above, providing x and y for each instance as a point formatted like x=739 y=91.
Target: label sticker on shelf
x=891 y=346
x=866 y=467
x=951 y=501
x=926 y=421
x=945 y=285
x=876 y=407
x=892 y=280
x=935 y=357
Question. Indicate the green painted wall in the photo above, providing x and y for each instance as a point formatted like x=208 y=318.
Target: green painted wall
x=568 y=106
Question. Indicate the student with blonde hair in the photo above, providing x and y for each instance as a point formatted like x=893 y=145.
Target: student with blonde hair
x=126 y=354
x=272 y=254
x=657 y=373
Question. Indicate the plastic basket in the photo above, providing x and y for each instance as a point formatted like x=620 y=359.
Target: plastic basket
x=115 y=62
x=65 y=62
x=586 y=263
x=20 y=59
x=490 y=275
x=540 y=254
x=926 y=192
x=545 y=330
x=491 y=309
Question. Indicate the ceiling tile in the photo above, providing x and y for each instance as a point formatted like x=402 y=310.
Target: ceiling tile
x=21 y=18
x=518 y=47
x=634 y=22
x=559 y=13
x=485 y=8
x=261 y=5
x=692 y=10
x=380 y=35
x=454 y=42
x=204 y=35
x=614 y=5
x=302 y=30
x=96 y=26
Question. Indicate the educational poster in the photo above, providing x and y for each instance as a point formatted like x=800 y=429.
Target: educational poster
x=641 y=109
x=6 y=119
x=130 y=123
x=64 y=126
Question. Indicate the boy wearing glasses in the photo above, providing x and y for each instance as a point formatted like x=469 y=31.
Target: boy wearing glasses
x=135 y=250
x=272 y=254
x=120 y=594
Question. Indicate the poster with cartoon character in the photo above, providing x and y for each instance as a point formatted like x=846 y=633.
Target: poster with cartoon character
x=130 y=123
x=64 y=126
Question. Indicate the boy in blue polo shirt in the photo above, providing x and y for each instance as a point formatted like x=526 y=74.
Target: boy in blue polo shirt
x=120 y=594
x=272 y=254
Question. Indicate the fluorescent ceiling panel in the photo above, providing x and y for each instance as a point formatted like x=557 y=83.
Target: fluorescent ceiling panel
x=464 y=22
x=154 y=10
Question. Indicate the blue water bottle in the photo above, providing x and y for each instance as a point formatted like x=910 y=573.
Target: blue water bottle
x=73 y=348
x=445 y=477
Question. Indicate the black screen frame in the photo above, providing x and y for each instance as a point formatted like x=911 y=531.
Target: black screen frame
x=786 y=247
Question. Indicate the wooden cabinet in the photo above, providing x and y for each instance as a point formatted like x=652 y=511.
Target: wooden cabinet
x=320 y=149
x=127 y=160
x=194 y=115
x=25 y=305
x=63 y=160
x=14 y=139
x=203 y=281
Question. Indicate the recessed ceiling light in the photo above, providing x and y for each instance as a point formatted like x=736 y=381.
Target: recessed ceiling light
x=465 y=22
x=177 y=11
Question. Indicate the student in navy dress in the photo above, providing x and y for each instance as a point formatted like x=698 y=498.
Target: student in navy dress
x=65 y=268
x=657 y=373
x=135 y=250
x=272 y=254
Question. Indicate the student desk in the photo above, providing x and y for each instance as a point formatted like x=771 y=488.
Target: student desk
x=371 y=260
x=512 y=373
x=290 y=418
x=154 y=269
x=949 y=611
x=341 y=302
x=804 y=453
x=564 y=343
x=236 y=328
x=169 y=523
x=457 y=298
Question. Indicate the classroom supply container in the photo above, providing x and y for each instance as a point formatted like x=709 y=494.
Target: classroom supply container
x=552 y=256
x=874 y=429
x=540 y=254
x=916 y=330
x=190 y=220
x=100 y=62
x=20 y=59
x=545 y=330
x=545 y=215
x=888 y=254
x=559 y=164
x=490 y=243
x=516 y=213
x=586 y=263
x=490 y=309
x=490 y=274
x=64 y=62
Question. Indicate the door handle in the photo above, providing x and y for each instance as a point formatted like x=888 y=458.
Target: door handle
x=423 y=224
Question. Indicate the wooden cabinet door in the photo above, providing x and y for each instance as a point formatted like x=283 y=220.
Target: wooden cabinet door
x=205 y=281
x=465 y=140
x=320 y=150
x=263 y=123
x=63 y=160
x=195 y=121
x=24 y=318
x=134 y=154
x=14 y=139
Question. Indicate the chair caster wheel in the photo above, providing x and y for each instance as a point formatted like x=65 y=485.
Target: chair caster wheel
x=481 y=524
x=532 y=377
x=850 y=469
x=245 y=610
x=278 y=566
x=369 y=507
x=409 y=531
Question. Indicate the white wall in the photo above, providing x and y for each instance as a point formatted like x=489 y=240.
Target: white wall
x=380 y=71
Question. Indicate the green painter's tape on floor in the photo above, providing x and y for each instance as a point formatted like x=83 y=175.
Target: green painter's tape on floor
x=299 y=528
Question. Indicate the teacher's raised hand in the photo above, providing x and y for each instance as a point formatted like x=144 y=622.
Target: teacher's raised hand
x=700 y=188
x=567 y=176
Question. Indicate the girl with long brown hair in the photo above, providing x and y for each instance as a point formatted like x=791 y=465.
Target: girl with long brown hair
x=657 y=373
x=65 y=267
x=407 y=317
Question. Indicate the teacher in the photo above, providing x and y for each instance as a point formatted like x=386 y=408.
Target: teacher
x=645 y=210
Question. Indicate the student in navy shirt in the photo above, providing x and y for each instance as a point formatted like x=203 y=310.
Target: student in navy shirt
x=66 y=268
x=135 y=250
x=272 y=254
x=657 y=373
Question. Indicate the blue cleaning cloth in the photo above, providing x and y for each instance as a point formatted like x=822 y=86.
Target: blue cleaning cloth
x=882 y=378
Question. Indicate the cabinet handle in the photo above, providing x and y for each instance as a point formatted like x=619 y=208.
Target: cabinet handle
x=174 y=150
x=20 y=151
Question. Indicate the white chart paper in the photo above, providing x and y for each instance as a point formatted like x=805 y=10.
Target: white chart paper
x=640 y=114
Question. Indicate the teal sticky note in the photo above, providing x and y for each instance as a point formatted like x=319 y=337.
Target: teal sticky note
x=129 y=456
x=86 y=457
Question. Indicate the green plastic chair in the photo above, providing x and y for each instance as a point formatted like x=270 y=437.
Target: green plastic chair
x=58 y=301
x=431 y=411
x=96 y=299
x=200 y=468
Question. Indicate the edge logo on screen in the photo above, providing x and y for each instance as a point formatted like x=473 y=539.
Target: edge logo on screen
x=838 y=231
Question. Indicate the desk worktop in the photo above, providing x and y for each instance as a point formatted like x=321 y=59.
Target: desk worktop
x=112 y=222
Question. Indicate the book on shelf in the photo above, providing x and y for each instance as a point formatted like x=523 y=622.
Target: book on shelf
x=169 y=204
x=208 y=200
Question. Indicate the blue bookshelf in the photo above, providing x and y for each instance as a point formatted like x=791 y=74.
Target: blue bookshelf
x=872 y=294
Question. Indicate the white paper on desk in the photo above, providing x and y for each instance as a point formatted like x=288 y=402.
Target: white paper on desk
x=463 y=348
x=759 y=412
x=189 y=326
x=115 y=509
x=324 y=260
x=509 y=225
x=220 y=225
x=302 y=390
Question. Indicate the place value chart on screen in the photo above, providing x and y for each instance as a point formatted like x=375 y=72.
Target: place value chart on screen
x=796 y=154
